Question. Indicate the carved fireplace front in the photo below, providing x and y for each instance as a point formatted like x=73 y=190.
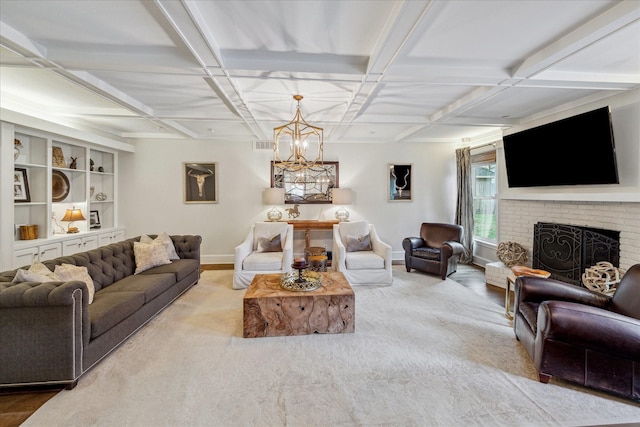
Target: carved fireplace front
x=567 y=250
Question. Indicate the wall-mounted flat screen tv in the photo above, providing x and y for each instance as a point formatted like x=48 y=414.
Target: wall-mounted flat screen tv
x=578 y=150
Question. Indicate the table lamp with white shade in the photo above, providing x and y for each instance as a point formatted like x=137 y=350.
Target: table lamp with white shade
x=341 y=197
x=274 y=197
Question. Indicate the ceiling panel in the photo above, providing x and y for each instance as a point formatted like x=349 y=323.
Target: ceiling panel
x=369 y=71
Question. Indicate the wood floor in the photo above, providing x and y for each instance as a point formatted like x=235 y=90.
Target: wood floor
x=17 y=405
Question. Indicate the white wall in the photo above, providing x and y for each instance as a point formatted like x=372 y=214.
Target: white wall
x=613 y=207
x=151 y=191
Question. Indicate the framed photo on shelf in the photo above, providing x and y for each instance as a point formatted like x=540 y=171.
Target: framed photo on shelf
x=94 y=220
x=200 y=182
x=399 y=183
x=21 y=186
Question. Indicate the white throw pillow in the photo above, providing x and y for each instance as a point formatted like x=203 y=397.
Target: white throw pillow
x=67 y=272
x=37 y=272
x=149 y=255
x=166 y=240
x=268 y=230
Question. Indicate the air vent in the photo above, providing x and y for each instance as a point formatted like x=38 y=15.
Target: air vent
x=263 y=145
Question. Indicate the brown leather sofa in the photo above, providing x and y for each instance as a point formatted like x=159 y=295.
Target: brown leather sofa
x=581 y=336
x=436 y=251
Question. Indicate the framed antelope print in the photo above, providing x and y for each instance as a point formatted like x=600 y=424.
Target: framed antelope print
x=200 y=182
x=399 y=183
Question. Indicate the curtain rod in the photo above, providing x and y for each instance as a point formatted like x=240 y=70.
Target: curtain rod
x=483 y=145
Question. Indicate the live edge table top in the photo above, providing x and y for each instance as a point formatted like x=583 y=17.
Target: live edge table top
x=270 y=311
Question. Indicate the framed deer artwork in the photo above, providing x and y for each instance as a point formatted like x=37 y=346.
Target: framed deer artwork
x=200 y=182
x=399 y=183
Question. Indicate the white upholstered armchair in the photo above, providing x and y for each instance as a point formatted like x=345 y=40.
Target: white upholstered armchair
x=267 y=249
x=360 y=255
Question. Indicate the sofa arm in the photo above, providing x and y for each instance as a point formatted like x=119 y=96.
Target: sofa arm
x=43 y=329
x=411 y=243
x=590 y=327
x=187 y=247
x=32 y=294
x=451 y=248
x=381 y=248
x=538 y=289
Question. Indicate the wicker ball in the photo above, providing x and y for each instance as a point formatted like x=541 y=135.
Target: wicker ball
x=602 y=277
x=511 y=253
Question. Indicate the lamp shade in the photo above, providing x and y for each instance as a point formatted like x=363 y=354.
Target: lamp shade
x=341 y=196
x=274 y=196
x=73 y=215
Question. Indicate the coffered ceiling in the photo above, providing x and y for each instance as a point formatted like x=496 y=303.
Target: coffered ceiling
x=369 y=70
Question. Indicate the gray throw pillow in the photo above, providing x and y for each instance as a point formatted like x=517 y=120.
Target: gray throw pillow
x=355 y=244
x=270 y=245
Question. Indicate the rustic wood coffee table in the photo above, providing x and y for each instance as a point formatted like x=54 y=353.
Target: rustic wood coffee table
x=270 y=311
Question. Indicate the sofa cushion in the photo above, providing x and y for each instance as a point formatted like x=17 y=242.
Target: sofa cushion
x=427 y=253
x=150 y=285
x=355 y=228
x=272 y=244
x=37 y=272
x=358 y=243
x=150 y=255
x=263 y=261
x=110 y=308
x=269 y=230
x=363 y=260
x=68 y=272
x=166 y=241
x=181 y=268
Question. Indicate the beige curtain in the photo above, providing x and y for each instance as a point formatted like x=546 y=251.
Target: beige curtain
x=464 y=206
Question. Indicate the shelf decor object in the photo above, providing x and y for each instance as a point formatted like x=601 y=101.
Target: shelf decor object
x=295 y=139
x=21 y=186
x=72 y=215
x=60 y=186
x=58 y=157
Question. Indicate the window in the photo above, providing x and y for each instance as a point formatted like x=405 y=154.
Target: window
x=483 y=174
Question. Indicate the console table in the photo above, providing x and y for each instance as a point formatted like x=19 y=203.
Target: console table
x=307 y=225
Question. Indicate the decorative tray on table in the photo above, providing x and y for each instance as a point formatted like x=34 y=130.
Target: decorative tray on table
x=301 y=280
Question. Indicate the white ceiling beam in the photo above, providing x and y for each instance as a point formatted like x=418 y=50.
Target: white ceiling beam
x=612 y=20
x=191 y=26
x=402 y=23
x=38 y=56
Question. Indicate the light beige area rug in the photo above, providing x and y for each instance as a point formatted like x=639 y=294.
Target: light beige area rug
x=425 y=352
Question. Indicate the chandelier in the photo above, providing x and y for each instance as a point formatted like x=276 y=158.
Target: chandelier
x=301 y=143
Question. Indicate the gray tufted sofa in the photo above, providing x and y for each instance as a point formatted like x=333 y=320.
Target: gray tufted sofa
x=50 y=334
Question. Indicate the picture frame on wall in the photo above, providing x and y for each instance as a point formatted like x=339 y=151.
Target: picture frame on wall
x=310 y=186
x=399 y=182
x=21 y=192
x=200 y=182
x=94 y=220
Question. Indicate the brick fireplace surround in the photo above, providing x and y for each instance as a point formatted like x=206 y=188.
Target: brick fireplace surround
x=517 y=218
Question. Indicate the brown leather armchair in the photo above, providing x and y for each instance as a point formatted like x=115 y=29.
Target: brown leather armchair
x=582 y=336
x=436 y=251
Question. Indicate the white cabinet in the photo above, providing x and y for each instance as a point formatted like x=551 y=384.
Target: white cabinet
x=42 y=176
x=110 y=237
x=38 y=253
x=82 y=244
